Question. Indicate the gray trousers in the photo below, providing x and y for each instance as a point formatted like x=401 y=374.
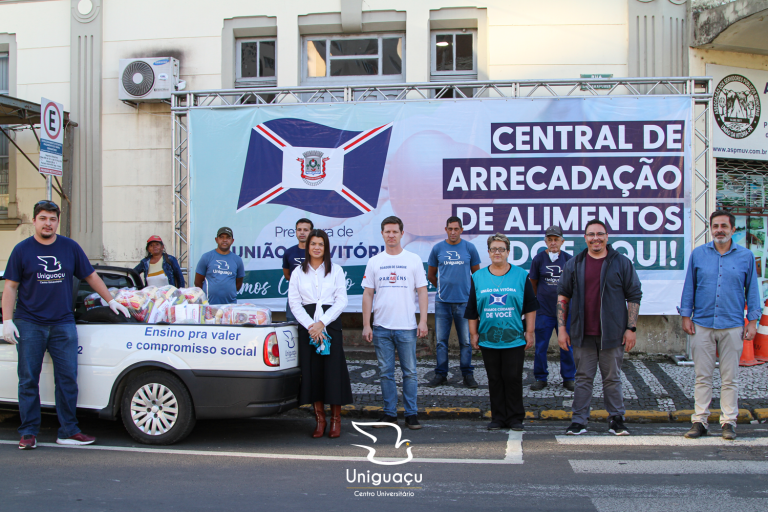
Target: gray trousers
x=704 y=345
x=588 y=357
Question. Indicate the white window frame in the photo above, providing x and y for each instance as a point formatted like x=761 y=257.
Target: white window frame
x=351 y=79
x=269 y=81
x=447 y=75
x=7 y=57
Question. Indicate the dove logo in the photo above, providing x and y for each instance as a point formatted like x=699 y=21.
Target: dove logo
x=51 y=269
x=498 y=299
x=452 y=255
x=50 y=263
x=555 y=271
x=223 y=265
x=289 y=339
x=372 y=451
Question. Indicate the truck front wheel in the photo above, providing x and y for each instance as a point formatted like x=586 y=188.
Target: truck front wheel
x=157 y=408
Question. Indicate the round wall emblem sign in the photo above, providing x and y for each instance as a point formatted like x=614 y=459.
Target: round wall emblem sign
x=736 y=106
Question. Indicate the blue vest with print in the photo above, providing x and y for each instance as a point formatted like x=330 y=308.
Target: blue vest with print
x=500 y=307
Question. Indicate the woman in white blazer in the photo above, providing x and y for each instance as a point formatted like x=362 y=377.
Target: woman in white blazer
x=317 y=294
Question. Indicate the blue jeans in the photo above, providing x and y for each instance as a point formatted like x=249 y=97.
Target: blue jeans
x=386 y=342
x=61 y=343
x=544 y=327
x=288 y=313
x=445 y=314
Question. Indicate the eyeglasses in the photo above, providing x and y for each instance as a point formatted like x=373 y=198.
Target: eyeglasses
x=497 y=250
x=595 y=235
x=46 y=203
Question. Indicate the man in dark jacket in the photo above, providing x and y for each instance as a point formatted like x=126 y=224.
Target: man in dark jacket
x=605 y=293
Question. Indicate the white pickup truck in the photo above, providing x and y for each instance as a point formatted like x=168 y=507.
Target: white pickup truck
x=161 y=378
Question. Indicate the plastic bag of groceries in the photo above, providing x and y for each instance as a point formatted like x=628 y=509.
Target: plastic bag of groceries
x=194 y=295
x=113 y=291
x=169 y=293
x=94 y=300
x=163 y=298
x=123 y=295
x=138 y=303
x=238 y=314
x=185 y=314
x=212 y=313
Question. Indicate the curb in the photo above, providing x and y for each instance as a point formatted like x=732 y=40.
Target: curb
x=474 y=413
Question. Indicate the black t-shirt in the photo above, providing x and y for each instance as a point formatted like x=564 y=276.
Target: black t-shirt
x=293 y=257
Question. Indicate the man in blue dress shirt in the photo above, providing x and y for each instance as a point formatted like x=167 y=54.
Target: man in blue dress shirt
x=721 y=276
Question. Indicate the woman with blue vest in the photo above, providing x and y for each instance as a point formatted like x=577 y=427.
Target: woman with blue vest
x=158 y=268
x=500 y=296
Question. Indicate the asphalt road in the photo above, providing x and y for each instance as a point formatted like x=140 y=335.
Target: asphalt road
x=457 y=465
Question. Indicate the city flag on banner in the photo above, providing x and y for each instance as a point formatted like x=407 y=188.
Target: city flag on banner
x=313 y=167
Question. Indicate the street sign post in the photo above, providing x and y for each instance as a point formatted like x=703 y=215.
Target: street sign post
x=51 y=141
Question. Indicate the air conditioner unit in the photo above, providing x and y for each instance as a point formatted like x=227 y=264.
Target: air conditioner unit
x=149 y=79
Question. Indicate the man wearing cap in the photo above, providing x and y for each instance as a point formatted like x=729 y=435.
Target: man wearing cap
x=158 y=268
x=41 y=273
x=720 y=279
x=546 y=269
x=220 y=272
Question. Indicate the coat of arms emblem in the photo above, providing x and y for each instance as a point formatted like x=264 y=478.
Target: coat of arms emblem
x=313 y=167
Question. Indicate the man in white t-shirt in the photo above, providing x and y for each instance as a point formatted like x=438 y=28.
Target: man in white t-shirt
x=397 y=277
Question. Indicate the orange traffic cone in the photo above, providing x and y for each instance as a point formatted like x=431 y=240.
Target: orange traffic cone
x=748 y=354
x=760 y=343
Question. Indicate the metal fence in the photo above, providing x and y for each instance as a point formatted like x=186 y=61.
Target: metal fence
x=699 y=89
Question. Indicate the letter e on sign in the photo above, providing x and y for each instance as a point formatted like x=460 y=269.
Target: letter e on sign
x=51 y=121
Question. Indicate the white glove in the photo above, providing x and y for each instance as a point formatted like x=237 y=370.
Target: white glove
x=118 y=308
x=10 y=332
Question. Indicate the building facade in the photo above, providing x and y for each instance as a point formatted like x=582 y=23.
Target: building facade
x=120 y=186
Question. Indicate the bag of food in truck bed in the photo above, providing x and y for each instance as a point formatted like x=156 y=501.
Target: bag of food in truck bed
x=162 y=299
x=238 y=314
x=194 y=295
x=94 y=300
x=185 y=314
x=138 y=303
x=212 y=313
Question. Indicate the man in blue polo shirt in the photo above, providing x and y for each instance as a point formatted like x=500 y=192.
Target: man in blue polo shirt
x=220 y=272
x=40 y=274
x=721 y=277
x=546 y=268
x=450 y=267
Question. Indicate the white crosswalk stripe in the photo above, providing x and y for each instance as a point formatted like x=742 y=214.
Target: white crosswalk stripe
x=669 y=467
x=658 y=440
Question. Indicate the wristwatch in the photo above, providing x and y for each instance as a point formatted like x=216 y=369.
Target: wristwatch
x=633 y=329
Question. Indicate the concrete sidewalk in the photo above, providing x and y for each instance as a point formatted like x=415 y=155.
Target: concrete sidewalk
x=655 y=390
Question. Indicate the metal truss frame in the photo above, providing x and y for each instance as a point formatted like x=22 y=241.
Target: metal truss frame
x=699 y=89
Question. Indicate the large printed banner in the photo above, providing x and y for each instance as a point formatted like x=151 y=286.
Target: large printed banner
x=510 y=166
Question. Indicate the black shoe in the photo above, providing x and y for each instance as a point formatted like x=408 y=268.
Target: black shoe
x=517 y=427
x=576 y=429
x=538 y=385
x=616 y=426
x=729 y=433
x=697 y=430
x=569 y=385
x=495 y=425
x=437 y=380
x=469 y=381
x=412 y=422
x=385 y=419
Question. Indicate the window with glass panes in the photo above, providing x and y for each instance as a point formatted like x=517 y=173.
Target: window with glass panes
x=4 y=152
x=256 y=62
x=454 y=54
x=377 y=58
